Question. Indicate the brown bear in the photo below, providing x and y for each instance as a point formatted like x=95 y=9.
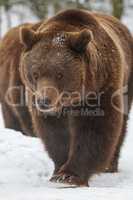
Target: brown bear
x=72 y=69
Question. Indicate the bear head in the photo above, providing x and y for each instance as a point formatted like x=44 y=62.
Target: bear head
x=55 y=66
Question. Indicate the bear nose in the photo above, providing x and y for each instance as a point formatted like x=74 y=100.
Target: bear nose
x=44 y=103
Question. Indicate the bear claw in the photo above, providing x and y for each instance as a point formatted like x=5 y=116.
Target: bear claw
x=68 y=179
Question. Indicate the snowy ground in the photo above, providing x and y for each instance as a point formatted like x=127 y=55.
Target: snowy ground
x=25 y=169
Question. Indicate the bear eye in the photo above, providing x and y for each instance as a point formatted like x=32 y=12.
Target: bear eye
x=59 y=75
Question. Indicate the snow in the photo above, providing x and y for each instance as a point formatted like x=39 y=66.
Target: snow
x=25 y=168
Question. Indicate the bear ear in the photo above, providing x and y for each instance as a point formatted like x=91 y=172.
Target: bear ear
x=28 y=37
x=79 y=40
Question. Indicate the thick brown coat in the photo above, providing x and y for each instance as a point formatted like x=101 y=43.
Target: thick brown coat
x=80 y=146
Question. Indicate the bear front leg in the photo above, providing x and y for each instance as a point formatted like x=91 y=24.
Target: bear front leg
x=93 y=143
x=54 y=134
x=113 y=167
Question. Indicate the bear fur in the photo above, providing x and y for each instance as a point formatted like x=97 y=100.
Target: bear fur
x=73 y=51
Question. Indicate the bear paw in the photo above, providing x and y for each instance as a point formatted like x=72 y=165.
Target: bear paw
x=111 y=170
x=69 y=179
